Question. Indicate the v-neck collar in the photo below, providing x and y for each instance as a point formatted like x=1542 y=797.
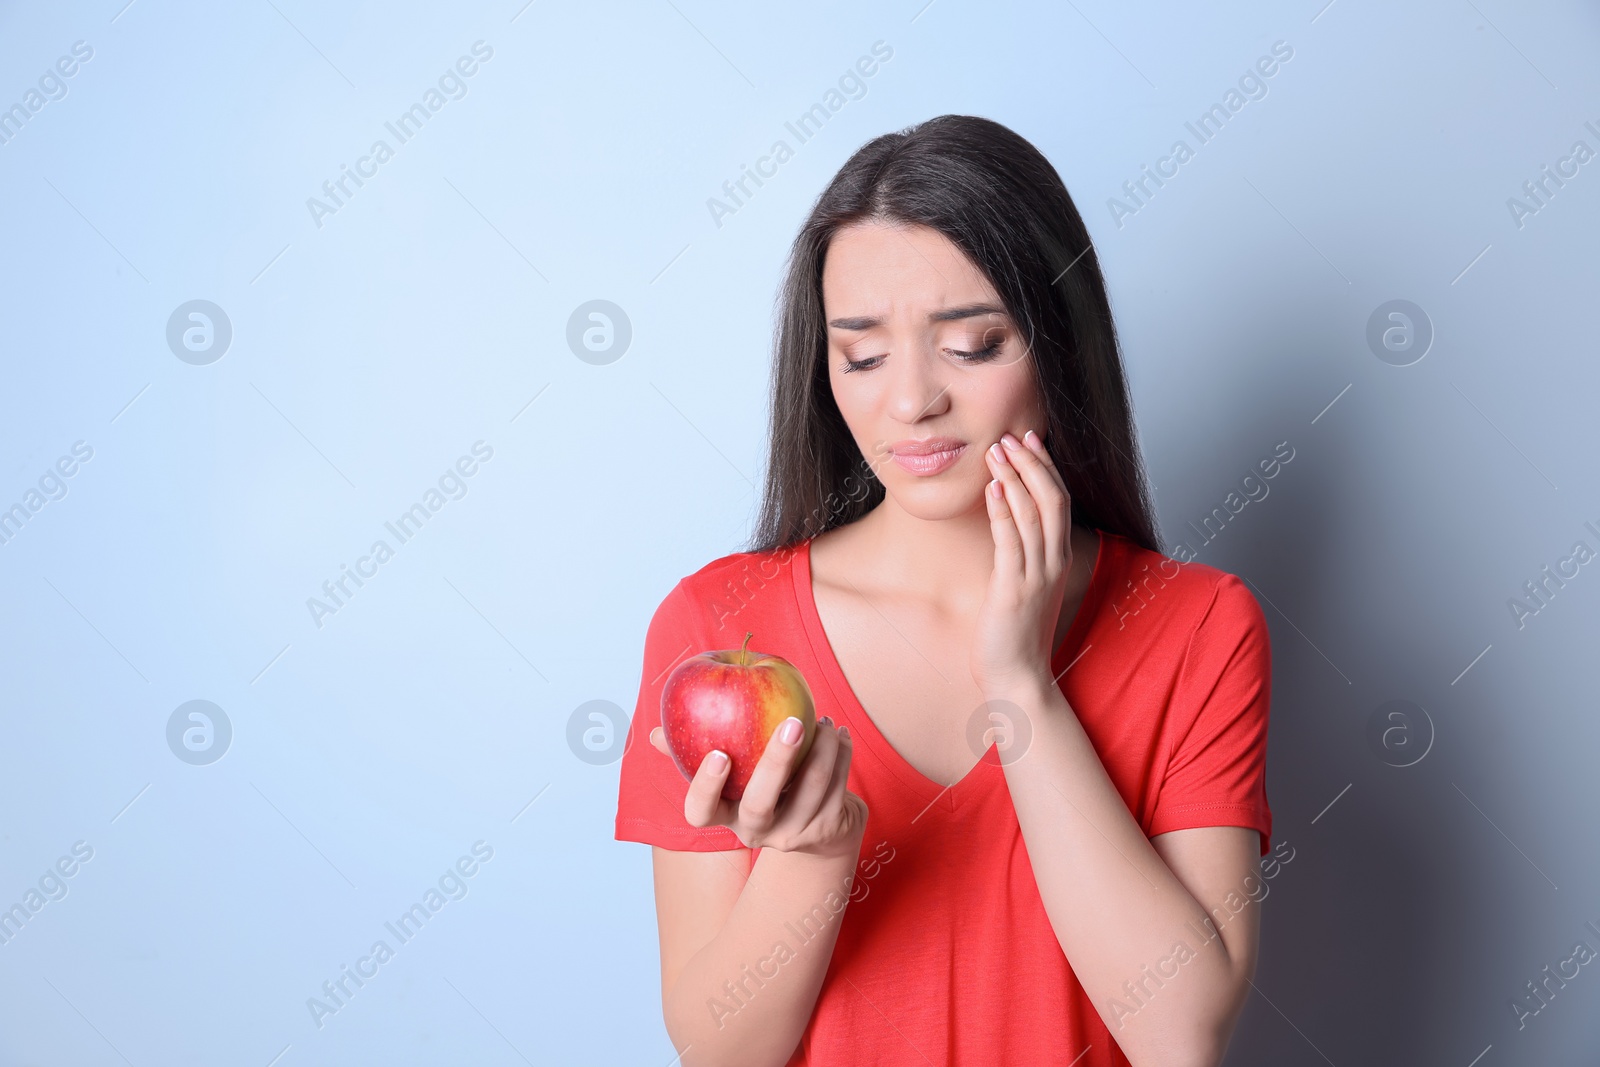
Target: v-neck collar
x=860 y=721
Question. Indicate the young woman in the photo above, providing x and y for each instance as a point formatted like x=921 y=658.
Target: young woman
x=1028 y=826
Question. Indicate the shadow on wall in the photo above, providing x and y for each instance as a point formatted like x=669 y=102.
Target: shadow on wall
x=1351 y=928
x=1355 y=940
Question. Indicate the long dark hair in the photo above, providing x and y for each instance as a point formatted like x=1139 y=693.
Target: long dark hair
x=998 y=199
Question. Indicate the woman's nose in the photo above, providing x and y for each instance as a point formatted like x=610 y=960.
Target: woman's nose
x=918 y=388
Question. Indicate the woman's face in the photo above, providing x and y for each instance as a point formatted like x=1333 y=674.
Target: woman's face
x=938 y=363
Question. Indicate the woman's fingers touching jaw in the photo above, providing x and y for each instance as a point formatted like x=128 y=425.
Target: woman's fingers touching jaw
x=1035 y=445
x=1047 y=496
x=1035 y=470
x=1022 y=502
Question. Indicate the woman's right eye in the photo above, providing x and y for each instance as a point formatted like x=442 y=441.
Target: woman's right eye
x=859 y=364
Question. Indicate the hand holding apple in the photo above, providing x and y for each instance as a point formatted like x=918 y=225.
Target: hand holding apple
x=794 y=799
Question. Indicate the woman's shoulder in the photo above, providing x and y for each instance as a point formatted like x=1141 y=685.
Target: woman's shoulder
x=738 y=566
x=728 y=585
x=1189 y=592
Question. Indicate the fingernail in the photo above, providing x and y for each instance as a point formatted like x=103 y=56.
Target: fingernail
x=1010 y=442
x=997 y=453
x=844 y=732
x=789 y=732
x=718 y=761
x=1033 y=441
x=826 y=720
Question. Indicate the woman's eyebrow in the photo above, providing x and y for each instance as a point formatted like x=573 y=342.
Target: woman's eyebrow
x=964 y=311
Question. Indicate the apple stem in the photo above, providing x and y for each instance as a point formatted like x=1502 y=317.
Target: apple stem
x=744 y=649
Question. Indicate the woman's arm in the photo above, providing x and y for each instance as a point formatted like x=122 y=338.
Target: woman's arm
x=1134 y=920
x=738 y=984
x=1161 y=933
x=738 y=987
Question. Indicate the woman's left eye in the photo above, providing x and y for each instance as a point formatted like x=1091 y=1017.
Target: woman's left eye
x=976 y=357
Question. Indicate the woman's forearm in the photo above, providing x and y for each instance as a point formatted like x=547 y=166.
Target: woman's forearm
x=1114 y=904
x=746 y=997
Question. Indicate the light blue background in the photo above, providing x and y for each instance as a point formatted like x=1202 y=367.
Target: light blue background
x=368 y=354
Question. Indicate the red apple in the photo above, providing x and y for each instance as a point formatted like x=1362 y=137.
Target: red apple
x=733 y=700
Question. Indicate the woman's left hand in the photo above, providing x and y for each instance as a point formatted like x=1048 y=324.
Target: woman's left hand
x=1032 y=522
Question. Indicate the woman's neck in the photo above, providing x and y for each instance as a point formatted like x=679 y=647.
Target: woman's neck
x=946 y=560
x=946 y=563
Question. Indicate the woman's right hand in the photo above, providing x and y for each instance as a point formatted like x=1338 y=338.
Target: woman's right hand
x=815 y=814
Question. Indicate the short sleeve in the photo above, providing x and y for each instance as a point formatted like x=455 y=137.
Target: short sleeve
x=651 y=791
x=1217 y=772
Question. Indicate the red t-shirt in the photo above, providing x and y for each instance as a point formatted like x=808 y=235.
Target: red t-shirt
x=945 y=954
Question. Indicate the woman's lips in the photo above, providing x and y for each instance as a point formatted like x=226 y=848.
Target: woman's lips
x=931 y=463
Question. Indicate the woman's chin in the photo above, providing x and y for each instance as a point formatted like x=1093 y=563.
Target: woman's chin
x=932 y=502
